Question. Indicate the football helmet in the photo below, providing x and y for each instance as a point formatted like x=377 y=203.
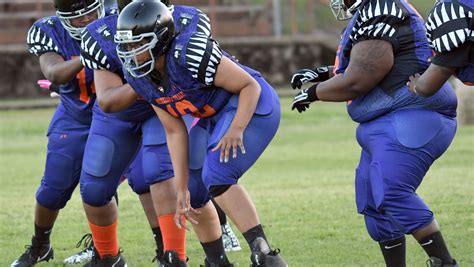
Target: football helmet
x=344 y=9
x=121 y=4
x=143 y=27
x=71 y=9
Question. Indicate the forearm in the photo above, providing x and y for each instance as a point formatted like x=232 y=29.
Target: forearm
x=62 y=72
x=338 y=89
x=248 y=99
x=116 y=99
x=177 y=140
x=432 y=80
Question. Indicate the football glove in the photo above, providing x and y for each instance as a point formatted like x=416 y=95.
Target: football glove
x=303 y=76
x=304 y=98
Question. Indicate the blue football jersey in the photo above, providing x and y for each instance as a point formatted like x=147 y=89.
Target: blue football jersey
x=78 y=95
x=192 y=60
x=398 y=23
x=98 y=51
x=450 y=27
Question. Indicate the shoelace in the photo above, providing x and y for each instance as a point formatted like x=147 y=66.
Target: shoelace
x=274 y=252
x=32 y=251
x=87 y=239
x=158 y=257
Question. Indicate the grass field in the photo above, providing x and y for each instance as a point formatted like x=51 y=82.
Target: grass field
x=302 y=186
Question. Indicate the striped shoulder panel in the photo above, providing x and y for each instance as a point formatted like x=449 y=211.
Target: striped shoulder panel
x=378 y=18
x=39 y=42
x=92 y=55
x=448 y=26
x=203 y=55
x=204 y=24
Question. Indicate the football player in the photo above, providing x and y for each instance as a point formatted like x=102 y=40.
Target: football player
x=401 y=134
x=184 y=71
x=132 y=120
x=450 y=28
x=56 y=41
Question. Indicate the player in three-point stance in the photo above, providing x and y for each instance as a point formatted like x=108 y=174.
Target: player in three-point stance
x=186 y=72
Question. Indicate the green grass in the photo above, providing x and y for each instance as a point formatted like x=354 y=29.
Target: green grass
x=302 y=186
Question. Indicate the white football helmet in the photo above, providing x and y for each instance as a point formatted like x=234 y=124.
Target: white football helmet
x=343 y=9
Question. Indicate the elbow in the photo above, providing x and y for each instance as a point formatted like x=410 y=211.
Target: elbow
x=424 y=92
x=358 y=89
x=252 y=83
x=55 y=78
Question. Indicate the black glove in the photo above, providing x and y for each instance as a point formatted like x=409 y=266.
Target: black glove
x=303 y=76
x=304 y=98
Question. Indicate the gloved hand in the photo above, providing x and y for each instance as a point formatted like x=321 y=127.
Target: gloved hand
x=304 y=98
x=303 y=76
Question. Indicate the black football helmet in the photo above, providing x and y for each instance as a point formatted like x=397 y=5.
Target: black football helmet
x=70 y=9
x=344 y=9
x=121 y=4
x=143 y=26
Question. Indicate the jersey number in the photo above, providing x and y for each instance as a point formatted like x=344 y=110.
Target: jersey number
x=84 y=95
x=185 y=107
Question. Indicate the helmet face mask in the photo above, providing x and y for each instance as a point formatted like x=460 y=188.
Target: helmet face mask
x=130 y=49
x=145 y=29
x=344 y=9
x=69 y=10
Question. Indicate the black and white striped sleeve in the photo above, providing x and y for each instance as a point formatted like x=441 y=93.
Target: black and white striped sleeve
x=39 y=42
x=448 y=26
x=203 y=55
x=379 y=19
x=92 y=55
x=204 y=24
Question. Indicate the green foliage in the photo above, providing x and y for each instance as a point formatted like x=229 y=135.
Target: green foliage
x=302 y=186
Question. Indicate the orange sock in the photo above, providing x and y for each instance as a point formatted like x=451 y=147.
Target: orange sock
x=105 y=239
x=173 y=237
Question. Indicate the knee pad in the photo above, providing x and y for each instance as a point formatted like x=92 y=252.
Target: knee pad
x=51 y=198
x=135 y=177
x=217 y=190
x=97 y=194
x=199 y=194
x=58 y=182
x=98 y=155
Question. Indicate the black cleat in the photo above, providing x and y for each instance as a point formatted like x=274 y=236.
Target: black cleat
x=171 y=259
x=107 y=261
x=436 y=262
x=260 y=259
x=34 y=253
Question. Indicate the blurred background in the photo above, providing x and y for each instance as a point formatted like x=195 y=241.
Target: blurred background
x=276 y=37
